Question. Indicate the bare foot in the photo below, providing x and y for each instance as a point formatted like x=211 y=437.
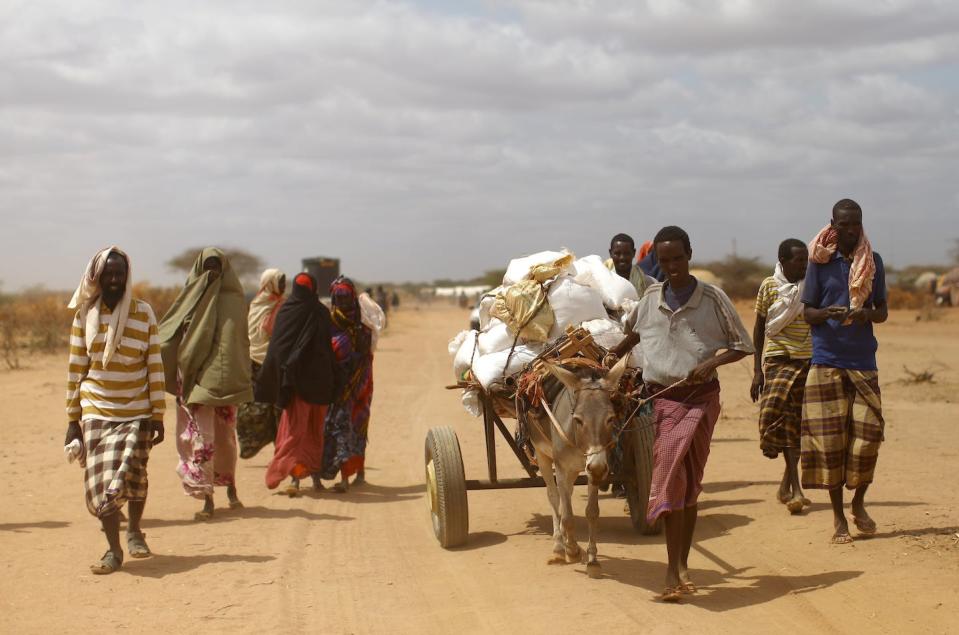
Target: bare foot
x=231 y=495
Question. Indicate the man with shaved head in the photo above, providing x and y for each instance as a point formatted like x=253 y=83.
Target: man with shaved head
x=842 y=427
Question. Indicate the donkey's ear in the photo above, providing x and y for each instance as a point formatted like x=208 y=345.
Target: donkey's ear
x=568 y=379
x=616 y=373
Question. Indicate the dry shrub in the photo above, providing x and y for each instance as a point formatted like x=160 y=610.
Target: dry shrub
x=160 y=298
x=899 y=298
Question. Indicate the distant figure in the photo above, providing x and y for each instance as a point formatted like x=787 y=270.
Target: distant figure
x=462 y=300
x=622 y=260
x=206 y=359
x=842 y=428
x=783 y=348
x=256 y=421
x=395 y=300
x=347 y=424
x=115 y=399
x=688 y=329
x=299 y=375
x=382 y=299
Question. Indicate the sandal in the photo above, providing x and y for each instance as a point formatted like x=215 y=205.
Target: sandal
x=137 y=545
x=109 y=563
x=688 y=588
x=866 y=526
x=202 y=515
x=672 y=594
x=841 y=539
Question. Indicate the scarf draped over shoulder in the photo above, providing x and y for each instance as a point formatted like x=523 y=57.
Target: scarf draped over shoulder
x=203 y=338
x=863 y=269
x=86 y=300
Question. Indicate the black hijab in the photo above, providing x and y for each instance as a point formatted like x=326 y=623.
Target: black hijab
x=300 y=357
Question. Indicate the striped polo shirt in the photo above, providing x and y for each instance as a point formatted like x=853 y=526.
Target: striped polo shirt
x=795 y=340
x=131 y=387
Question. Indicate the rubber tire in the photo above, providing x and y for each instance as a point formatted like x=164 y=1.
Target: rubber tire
x=450 y=519
x=637 y=496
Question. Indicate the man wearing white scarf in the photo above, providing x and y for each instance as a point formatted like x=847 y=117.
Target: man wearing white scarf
x=115 y=400
x=783 y=350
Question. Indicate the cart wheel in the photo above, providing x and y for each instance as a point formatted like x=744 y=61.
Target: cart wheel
x=637 y=495
x=446 y=487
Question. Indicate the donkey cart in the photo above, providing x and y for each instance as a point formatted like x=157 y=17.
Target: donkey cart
x=446 y=482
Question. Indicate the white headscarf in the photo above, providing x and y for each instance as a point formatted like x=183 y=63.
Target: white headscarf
x=786 y=308
x=87 y=299
x=263 y=306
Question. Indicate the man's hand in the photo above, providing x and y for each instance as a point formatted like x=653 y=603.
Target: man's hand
x=73 y=433
x=859 y=316
x=610 y=359
x=158 y=433
x=701 y=373
x=836 y=312
x=756 y=389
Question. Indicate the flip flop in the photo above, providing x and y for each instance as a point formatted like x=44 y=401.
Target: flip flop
x=109 y=563
x=671 y=594
x=292 y=491
x=841 y=539
x=202 y=515
x=795 y=506
x=137 y=545
x=689 y=588
x=866 y=526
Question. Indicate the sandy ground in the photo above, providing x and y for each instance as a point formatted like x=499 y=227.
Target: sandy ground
x=367 y=561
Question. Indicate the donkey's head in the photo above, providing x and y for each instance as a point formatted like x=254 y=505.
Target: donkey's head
x=593 y=416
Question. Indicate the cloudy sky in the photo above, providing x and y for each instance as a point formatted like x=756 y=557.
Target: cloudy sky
x=430 y=139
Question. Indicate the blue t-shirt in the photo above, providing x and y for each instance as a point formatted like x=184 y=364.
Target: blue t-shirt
x=852 y=346
x=676 y=299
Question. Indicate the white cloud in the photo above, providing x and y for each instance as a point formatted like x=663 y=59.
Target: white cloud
x=394 y=135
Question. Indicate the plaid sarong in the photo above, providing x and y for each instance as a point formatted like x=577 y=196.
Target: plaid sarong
x=684 y=429
x=842 y=427
x=115 y=463
x=780 y=407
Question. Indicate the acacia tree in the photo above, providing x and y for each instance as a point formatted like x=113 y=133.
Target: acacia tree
x=246 y=265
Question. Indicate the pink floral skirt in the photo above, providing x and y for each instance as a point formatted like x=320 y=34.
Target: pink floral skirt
x=206 y=443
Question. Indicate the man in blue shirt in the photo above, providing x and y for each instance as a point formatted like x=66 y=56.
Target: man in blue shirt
x=842 y=428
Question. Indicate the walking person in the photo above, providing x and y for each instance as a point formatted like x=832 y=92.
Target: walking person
x=206 y=359
x=688 y=329
x=115 y=399
x=299 y=376
x=842 y=426
x=347 y=423
x=783 y=349
x=256 y=422
x=622 y=260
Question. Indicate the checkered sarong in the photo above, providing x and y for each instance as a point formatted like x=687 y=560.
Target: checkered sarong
x=842 y=427
x=115 y=463
x=684 y=429
x=780 y=407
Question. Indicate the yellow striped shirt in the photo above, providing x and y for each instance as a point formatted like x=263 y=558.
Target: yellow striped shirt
x=795 y=340
x=132 y=385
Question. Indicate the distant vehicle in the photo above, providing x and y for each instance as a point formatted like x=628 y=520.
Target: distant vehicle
x=325 y=270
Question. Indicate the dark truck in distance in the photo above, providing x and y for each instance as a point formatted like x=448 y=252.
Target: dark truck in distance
x=325 y=270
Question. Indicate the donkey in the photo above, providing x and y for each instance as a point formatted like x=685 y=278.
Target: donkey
x=574 y=438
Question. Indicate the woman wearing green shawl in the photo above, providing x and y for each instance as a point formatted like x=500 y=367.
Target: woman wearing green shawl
x=206 y=359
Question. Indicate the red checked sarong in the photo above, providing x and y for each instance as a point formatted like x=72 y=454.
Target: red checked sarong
x=685 y=418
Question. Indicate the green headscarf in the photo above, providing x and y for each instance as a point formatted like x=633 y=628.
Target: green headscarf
x=204 y=336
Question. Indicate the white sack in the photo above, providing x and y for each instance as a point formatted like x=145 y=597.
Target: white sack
x=519 y=268
x=484 y=307
x=573 y=304
x=461 y=362
x=372 y=316
x=615 y=290
x=488 y=369
x=495 y=338
x=607 y=333
x=472 y=403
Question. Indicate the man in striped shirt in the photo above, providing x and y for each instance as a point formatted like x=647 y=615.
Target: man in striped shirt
x=783 y=349
x=115 y=399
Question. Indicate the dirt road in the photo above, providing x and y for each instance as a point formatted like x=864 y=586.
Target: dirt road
x=367 y=561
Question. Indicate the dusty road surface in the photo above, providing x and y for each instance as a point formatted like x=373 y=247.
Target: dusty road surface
x=367 y=561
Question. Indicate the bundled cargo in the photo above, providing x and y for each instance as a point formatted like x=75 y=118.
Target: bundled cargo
x=542 y=296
